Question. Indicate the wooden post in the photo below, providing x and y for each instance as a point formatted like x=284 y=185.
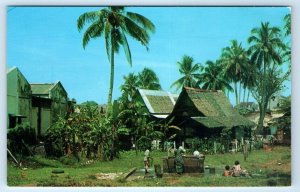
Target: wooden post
x=235 y=141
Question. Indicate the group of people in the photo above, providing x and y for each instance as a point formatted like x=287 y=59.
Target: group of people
x=235 y=171
x=179 y=164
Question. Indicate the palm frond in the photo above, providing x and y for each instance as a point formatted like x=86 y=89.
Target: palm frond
x=93 y=31
x=126 y=47
x=86 y=18
x=107 y=32
x=143 y=21
x=136 y=32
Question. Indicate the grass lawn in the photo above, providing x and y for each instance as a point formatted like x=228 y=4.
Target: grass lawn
x=268 y=168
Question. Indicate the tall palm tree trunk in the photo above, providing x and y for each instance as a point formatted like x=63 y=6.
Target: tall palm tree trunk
x=112 y=74
x=244 y=95
x=264 y=103
x=248 y=96
x=236 y=93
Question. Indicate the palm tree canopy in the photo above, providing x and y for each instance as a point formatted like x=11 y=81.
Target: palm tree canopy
x=147 y=79
x=234 y=60
x=189 y=70
x=116 y=21
x=129 y=88
x=212 y=77
x=264 y=44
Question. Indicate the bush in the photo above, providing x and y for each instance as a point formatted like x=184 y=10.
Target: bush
x=19 y=138
x=69 y=160
x=258 y=145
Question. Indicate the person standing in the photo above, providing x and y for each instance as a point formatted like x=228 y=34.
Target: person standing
x=147 y=160
x=179 y=164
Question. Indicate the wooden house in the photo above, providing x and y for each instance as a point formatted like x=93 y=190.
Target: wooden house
x=18 y=98
x=203 y=113
x=49 y=101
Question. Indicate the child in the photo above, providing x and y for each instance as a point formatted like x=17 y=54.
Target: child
x=236 y=169
x=227 y=171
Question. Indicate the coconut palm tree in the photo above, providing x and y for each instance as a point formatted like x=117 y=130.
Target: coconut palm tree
x=113 y=24
x=265 y=43
x=129 y=88
x=189 y=70
x=234 y=60
x=147 y=79
x=212 y=79
x=248 y=80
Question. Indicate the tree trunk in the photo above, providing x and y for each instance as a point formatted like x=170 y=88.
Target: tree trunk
x=248 y=95
x=112 y=73
x=244 y=96
x=260 y=120
x=236 y=94
x=240 y=91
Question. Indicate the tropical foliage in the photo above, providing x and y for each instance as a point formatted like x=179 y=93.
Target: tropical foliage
x=212 y=77
x=265 y=46
x=189 y=70
x=113 y=24
x=234 y=61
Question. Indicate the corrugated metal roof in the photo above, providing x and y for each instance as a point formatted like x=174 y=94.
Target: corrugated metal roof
x=41 y=89
x=158 y=102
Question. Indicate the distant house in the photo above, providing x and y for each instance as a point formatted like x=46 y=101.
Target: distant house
x=203 y=113
x=159 y=104
x=49 y=101
x=18 y=98
x=275 y=102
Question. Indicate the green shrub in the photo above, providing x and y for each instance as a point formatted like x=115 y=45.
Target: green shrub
x=69 y=160
x=258 y=145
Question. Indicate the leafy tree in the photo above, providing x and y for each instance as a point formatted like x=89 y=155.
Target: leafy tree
x=189 y=70
x=234 y=61
x=265 y=43
x=114 y=23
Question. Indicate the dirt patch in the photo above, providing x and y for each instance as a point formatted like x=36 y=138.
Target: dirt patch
x=107 y=176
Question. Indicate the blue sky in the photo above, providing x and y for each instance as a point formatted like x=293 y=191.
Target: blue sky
x=44 y=43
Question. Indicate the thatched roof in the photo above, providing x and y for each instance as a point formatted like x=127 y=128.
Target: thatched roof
x=209 y=108
x=159 y=103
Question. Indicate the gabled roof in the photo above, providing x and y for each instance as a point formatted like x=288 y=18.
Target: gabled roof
x=210 y=108
x=42 y=88
x=158 y=103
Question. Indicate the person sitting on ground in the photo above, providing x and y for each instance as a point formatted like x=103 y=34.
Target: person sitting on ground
x=236 y=169
x=227 y=171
